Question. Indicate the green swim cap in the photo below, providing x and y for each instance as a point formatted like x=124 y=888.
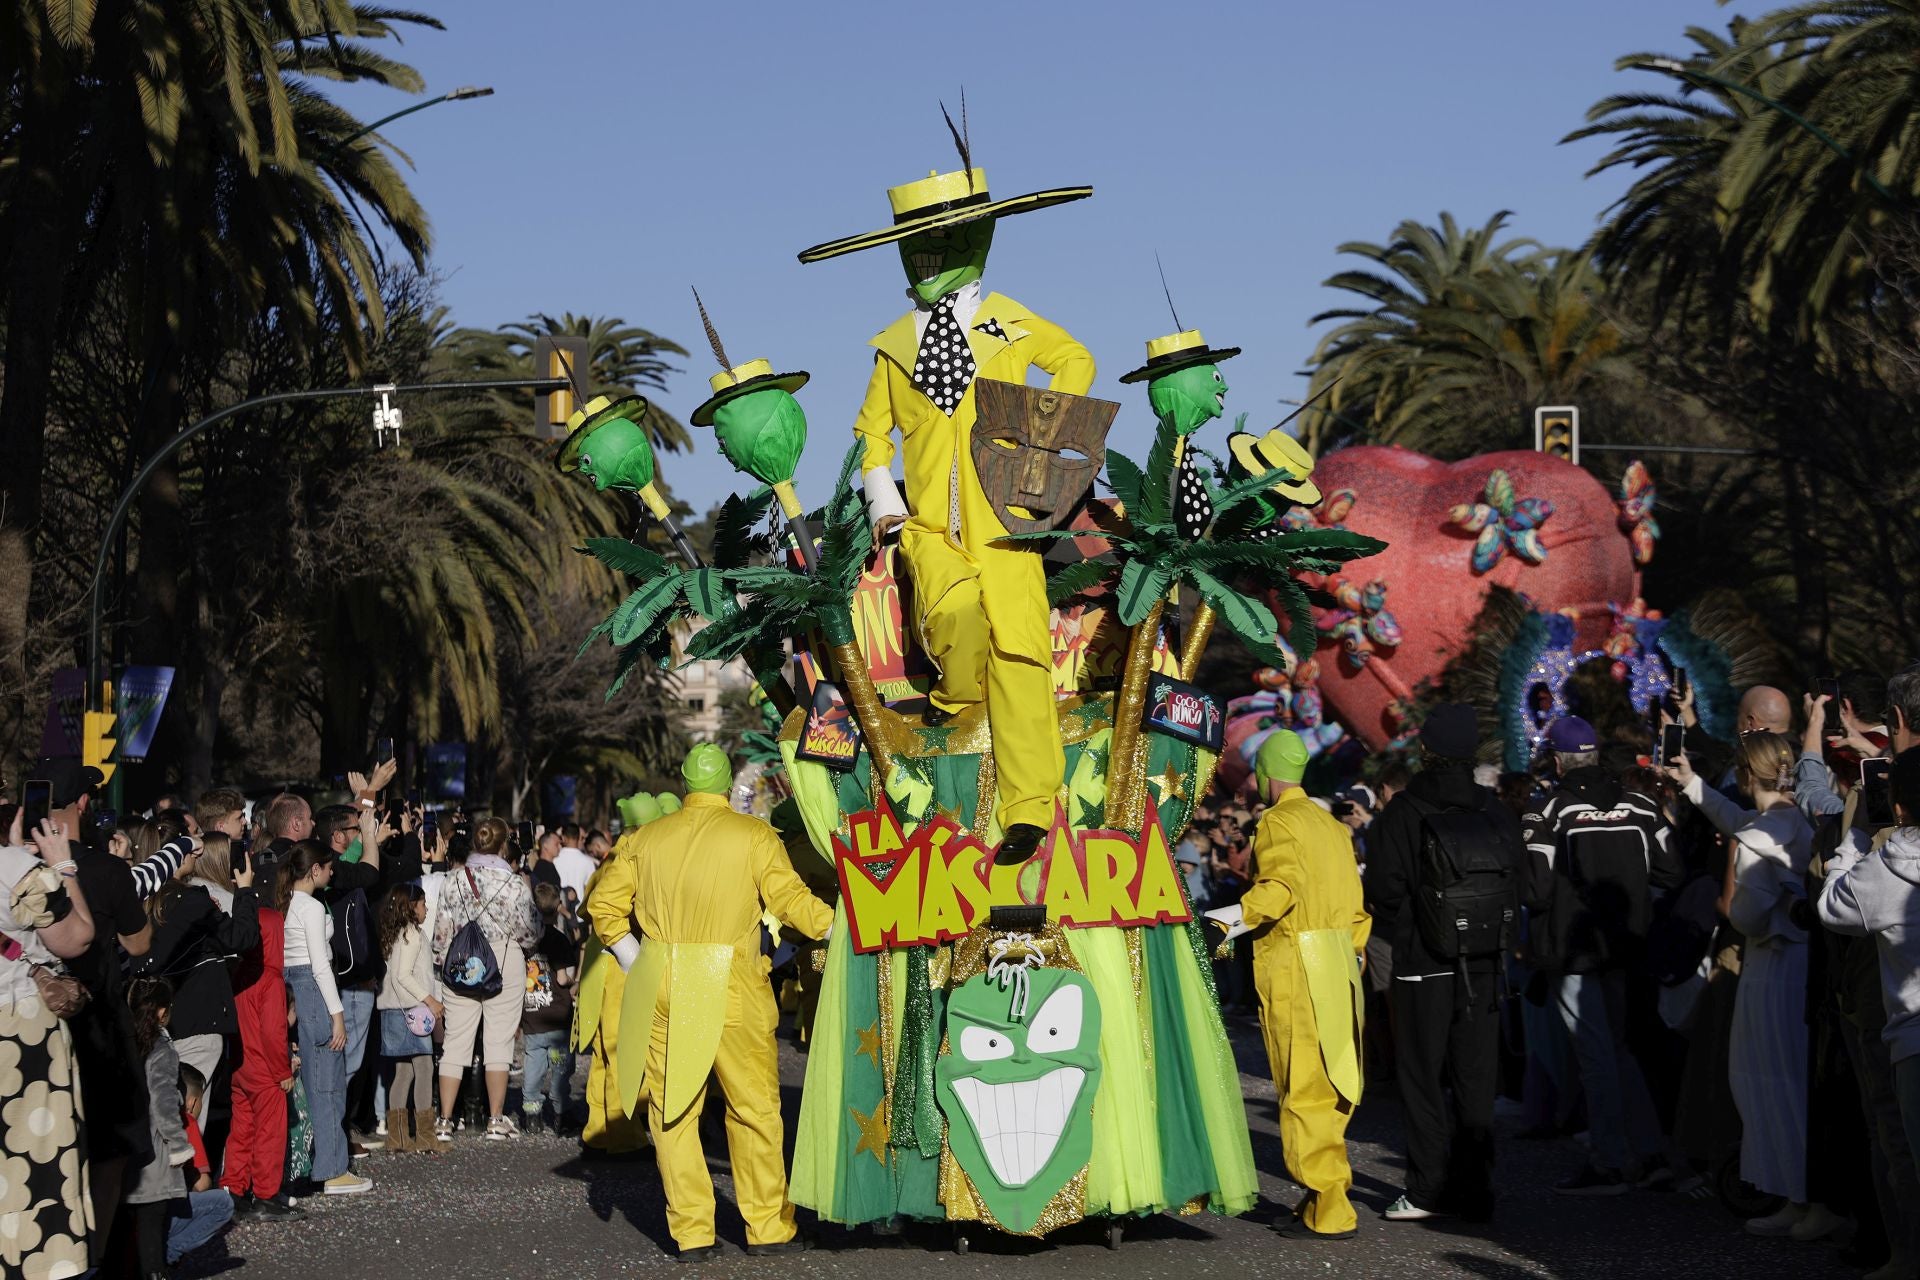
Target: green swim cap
x=707 y=769
x=1283 y=758
x=637 y=810
x=668 y=802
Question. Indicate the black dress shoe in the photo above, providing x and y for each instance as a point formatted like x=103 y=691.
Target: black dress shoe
x=1018 y=844
x=701 y=1253
x=244 y=1207
x=936 y=716
x=799 y=1244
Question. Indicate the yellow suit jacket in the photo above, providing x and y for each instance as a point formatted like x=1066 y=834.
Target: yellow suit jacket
x=938 y=455
x=1306 y=892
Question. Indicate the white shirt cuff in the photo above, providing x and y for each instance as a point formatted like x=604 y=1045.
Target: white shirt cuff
x=1231 y=917
x=883 y=495
x=626 y=951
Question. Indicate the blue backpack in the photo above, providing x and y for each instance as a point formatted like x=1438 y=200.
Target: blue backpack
x=470 y=969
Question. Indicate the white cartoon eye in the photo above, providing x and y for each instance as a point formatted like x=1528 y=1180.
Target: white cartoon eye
x=983 y=1044
x=586 y=461
x=1217 y=377
x=1056 y=1028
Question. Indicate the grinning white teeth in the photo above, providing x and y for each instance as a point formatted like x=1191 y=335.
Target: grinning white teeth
x=927 y=265
x=1019 y=1124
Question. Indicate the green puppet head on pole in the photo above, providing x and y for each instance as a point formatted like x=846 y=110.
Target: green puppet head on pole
x=1018 y=1082
x=1184 y=383
x=760 y=427
x=607 y=444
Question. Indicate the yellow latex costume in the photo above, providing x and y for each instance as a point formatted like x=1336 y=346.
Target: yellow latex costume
x=603 y=985
x=697 y=994
x=958 y=574
x=1306 y=891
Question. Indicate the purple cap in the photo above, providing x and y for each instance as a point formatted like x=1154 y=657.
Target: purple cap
x=1570 y=735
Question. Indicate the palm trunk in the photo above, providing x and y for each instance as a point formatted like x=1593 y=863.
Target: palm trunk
x=868 y=711
x=1197 y=637
x=1126 y=772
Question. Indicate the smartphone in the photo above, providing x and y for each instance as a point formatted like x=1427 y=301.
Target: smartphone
x=1876 y=792
x=1828 y=687
x=1680 y=684
x=1673 y=743
x=36 y=805
x=382 y=750
x=237 y=856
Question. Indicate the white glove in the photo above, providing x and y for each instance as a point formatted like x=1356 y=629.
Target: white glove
x=1230 y=919
x=625 y=952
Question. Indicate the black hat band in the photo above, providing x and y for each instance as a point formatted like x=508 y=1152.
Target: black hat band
x=942 y=206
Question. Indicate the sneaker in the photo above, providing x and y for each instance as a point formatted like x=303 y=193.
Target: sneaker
x=1817 y=1223
x=499 y=1129
x=534 y=1123
x=1594 y=1181
x=347 y=1184
x=279 y=1207
x=244 y=1207
x=380 y=1127
x=698 y=1253
x=443 y=1129
x=1658 y=1177
x=1778 y=1223
x=1405 y=1210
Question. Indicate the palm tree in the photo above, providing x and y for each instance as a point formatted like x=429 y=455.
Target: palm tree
x=622 y=359
x=1466 y=333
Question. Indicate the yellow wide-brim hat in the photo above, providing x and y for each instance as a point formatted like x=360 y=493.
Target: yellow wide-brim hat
x=1261 y=454
x=598 y=410
x=754 y=375
x=1175 y=352
x=942 y=200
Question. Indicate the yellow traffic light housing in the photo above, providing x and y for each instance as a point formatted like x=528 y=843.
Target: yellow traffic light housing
x=96 y=746
x=1556 y=430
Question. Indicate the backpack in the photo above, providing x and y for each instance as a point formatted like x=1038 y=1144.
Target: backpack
x=1467 y=894
x=470 y=969
x=353 y=949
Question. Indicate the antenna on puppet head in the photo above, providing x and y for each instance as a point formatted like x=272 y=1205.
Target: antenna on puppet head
x=962 y=141
x=713 y=335
x=1177 y=326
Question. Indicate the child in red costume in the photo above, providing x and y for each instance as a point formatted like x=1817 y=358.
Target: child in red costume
x=257 y=1145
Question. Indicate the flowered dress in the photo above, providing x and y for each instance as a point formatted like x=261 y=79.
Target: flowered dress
x=45 y=1213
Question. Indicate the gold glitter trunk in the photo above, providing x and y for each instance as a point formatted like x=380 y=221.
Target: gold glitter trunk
x=1196 y=640
x=1126 y=764
x=865 y=701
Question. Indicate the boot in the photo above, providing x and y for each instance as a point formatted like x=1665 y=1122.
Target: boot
x=399 y=1137
x=425 y=1139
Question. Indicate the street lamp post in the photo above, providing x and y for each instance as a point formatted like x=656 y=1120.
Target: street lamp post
x=95 y=694
x=458 y=95
x=1678 y=68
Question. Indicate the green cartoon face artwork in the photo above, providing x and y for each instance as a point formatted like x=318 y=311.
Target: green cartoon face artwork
x=763 y=433
x=1187 y=399
x=1017 y=1086
x=946 y=258
x=616 y=455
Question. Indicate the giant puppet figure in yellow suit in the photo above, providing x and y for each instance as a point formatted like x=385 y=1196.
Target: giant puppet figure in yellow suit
x=698 y=1002
x=1312 y=927
x=980 y=605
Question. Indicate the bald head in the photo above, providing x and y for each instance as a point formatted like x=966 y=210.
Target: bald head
x=1764 y=709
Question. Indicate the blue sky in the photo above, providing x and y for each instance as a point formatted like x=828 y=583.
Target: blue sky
x=633 y=149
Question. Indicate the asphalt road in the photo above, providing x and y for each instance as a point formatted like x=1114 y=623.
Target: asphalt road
x=531 y=1208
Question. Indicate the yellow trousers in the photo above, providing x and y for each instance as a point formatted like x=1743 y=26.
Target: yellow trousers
x=747 y=1066
x=983 y=619
x=1313 y=1115
x=609 y=1127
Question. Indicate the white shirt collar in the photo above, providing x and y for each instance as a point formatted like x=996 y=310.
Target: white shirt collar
x=966 y=305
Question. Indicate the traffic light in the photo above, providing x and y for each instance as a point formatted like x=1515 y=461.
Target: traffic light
x=96 y=747
x=564 y=356
x=1556 y=430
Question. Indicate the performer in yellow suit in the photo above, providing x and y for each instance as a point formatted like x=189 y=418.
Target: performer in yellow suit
x=963 y=576
x=1312 y=926
x=610 y=1131
x=698 y=998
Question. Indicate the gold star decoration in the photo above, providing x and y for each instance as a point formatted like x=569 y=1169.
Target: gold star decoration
x=1170 y=783
x=870 y=1042
x=873 y=1131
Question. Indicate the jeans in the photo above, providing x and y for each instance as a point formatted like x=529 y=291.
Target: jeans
x=358 y=1007
x=324 y=1073
x=548 y=1073
x=208 y=1212
x=1620 y=1116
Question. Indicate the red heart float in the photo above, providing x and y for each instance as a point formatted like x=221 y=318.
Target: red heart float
x=1406 y=500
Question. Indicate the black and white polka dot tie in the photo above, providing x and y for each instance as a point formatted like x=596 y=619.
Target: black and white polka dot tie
x=1192 y=508
x=944 y=368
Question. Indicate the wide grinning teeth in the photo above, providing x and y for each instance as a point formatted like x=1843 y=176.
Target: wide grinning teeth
x=1020 y=1123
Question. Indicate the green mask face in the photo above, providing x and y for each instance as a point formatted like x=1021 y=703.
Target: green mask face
x=762 y=433
x=617 y=455
x=1187 y=399
x=946 y=258
x=1018 y=1090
